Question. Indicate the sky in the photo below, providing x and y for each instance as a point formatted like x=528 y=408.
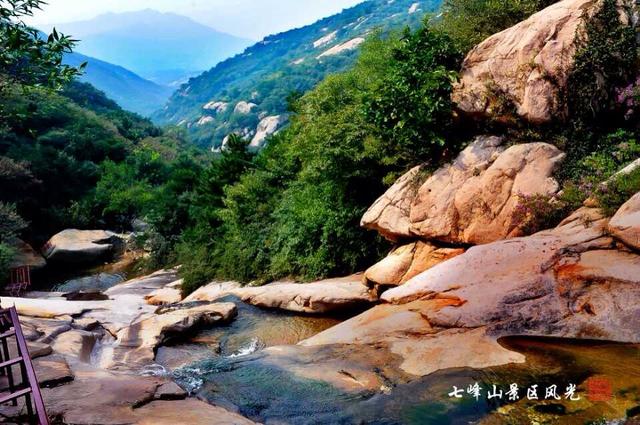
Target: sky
x=252 y=19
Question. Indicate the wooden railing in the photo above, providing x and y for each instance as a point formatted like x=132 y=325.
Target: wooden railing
x=19 y=281
x=28 y=386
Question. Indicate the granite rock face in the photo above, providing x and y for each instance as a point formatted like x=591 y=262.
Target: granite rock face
x=573 y=281
x=625 y=224
x=472 y=200
x=342 y=294
x=81 y=246
x=526 y=65
x=406 y=262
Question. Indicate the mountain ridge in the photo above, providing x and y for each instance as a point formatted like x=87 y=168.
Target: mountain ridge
x=266 y=73
x=175 y=46
x=126 y=88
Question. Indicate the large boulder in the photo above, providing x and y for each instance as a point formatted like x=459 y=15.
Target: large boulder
x=570 y=282
x=525 y=66
x=266 y=127
x=81 y=246
x=389 y=215
x=477 y=205
x=405 y=262
x=625 y=224
x=213 y=291
x=474 y=199
x=318 y=297
x=573 y=281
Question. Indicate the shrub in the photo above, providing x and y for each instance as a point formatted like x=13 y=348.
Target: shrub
x=10 y=222
x=6 y=256
x=612 y=195
x=605 y=61
x=469 y=22
x=411 y=109
x=539 y=212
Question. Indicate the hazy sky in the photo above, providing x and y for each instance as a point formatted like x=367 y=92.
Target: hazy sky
x=248 y=18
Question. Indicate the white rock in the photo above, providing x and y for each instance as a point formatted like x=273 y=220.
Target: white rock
x=204 y=121
x=344 y=47
x=243 y=107
x=267 y=127
x=325 y=40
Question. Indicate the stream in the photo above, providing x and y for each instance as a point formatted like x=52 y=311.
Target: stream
x=228 y=366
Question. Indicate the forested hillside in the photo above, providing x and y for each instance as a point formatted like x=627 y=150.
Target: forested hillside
x=128 y=89
x=240 y=92
x=62 y=142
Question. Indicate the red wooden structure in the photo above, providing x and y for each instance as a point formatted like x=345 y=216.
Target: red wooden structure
x=19 y=281
x=28 y=387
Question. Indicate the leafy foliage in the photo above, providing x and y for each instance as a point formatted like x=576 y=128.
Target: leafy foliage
x=295 y=209
x=25 y=56
x=412 y=107
x=469 y=22
x=606 y=57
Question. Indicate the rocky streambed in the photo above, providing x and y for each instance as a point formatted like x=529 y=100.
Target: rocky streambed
x=144 y=355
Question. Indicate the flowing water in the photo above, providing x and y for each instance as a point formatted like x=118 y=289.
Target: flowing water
x=230 y=368
x=88 y=278
x=252 y=330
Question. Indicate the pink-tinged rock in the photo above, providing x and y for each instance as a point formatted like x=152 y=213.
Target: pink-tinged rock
x=567 y=282
x=405 y=262
x=331 y=295
x=625 y=224
x=526 y=65
x=474 y=200
x=389 y=215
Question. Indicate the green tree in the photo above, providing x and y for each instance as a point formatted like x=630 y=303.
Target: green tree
x=469 y=22
x=26 y=56
x=411 y=110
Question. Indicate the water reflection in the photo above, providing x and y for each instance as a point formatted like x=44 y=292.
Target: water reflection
x=269 y=391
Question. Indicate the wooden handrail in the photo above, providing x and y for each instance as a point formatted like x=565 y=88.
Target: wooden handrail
x=29 y=389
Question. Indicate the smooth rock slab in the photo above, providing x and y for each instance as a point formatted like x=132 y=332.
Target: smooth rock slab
x=164 y=296
x=97 y=398
x=189 y=411
x=407 y=332
x=81 y=246
x=213 y=291
x=319 y=297
x=625 y=224
x=52 y=371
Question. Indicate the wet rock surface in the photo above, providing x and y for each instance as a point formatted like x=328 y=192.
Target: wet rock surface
x=88 y=355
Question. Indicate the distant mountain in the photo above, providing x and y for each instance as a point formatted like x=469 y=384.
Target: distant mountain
x=247 y=94
x=128 y=89
x=162 y=47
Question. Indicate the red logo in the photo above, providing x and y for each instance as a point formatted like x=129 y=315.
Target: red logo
x=599 y=389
